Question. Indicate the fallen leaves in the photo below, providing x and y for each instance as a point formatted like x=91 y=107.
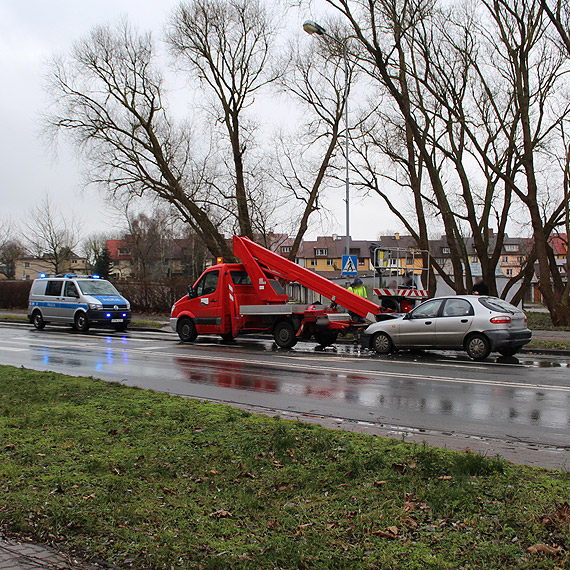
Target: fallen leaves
x=220 y=514
x=544 y=548
x=390 y=532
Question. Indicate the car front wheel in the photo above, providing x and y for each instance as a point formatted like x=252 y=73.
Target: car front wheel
x=382 y=343
x=478 y=347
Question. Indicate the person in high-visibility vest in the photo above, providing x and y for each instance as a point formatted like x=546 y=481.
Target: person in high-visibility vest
x=358 y=289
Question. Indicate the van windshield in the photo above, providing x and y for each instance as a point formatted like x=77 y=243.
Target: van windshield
x=96 y=287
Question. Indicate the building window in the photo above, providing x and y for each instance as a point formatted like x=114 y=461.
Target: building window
x=313 y=262
x=321 y=251
x=520 y=259
x=512 y=247
x=354 y=251
x=473 y=259
x=26 y=277
x=509 y=272
x=74 y=262
x=122 y=251
x=446 y=250
x=26 y=264
x=286 y=248
x=361 y=261
x=505 y=259
x=330 y=261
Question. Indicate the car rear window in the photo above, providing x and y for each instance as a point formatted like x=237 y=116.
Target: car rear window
x=498 y=305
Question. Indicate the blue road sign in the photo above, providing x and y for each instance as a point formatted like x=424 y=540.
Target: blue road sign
x=349 y=264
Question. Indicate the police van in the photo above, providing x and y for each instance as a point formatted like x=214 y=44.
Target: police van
x=80 y=301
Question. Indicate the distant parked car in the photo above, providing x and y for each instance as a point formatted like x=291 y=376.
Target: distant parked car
x=478 y=325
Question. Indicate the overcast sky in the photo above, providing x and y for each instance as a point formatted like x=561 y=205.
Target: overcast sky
x=30 y=33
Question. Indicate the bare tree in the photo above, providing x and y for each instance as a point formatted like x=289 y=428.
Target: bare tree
x=11 y=248
x=51 y=235
x=227 y=45
x=108 y=95
x=314 y=77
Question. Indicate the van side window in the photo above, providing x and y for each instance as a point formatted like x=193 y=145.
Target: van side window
x=208 y=284
x=53 y=288
x=70 y=290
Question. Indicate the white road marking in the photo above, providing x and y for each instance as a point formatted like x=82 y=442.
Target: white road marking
x=11 y=349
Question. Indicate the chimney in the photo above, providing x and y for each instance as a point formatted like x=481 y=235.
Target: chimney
x=335 y=237
x=397 y=235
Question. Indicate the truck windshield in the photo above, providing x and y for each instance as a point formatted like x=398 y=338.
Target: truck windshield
x=96 y=287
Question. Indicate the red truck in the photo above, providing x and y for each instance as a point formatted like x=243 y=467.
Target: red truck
x=230 y=299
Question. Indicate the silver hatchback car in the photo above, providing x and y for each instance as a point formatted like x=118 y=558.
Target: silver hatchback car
x=479 y=325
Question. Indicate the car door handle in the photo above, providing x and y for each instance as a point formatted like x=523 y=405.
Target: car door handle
x=428 y=322
x=464 y=320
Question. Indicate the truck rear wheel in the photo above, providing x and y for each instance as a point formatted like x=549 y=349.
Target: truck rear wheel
x=186 y=330
x=326 y=338
x=284 y=335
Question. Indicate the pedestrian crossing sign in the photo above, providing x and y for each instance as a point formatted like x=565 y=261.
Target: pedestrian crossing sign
x=349 y=266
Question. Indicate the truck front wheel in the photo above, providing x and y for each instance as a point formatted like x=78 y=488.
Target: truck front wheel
x=186 y=330
x=284 y=335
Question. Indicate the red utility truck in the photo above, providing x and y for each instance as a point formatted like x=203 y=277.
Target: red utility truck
x=239 y=298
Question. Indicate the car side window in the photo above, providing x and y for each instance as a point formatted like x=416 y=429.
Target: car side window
x=457 y=308
x=208 y=284
x=70 y=290
x=427 y=310
x=53 y=288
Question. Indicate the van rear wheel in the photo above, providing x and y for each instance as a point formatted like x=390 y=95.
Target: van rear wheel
x=81 y=322
x=186 y=330
x=38 y=320
x=284 y=335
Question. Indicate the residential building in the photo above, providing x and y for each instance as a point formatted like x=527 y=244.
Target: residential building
x=31 y=267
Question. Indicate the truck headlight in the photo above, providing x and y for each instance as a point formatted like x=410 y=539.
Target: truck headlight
x=95 y=306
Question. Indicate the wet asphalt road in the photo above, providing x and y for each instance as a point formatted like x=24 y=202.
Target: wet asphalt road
x=519 y=408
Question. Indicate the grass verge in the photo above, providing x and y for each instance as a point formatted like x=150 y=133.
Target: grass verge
x=147 y=480
x=542 y=321
x=535 y=344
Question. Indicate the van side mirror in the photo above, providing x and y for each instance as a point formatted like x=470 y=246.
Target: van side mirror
x=191 y=292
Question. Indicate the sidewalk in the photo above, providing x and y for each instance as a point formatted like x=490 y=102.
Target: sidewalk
x=17 y=555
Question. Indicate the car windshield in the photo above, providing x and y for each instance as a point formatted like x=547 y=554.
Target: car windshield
x=96 y=287
x=498 y=305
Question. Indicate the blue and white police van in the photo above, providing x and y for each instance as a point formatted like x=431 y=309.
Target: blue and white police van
x=79 y=301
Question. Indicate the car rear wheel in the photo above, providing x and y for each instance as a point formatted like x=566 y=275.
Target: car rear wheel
x=478 y=347
x=382 y=343
x=326 y=338
x=511 y=351
x=81 y=322
x=284 y=335
x=38 y=320
x=186 y=330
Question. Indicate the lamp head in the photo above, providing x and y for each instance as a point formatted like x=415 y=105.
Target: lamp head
x=313 y=28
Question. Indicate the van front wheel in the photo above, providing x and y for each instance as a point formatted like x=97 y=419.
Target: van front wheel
x=186 y=330
x=38 y=320
x=81 y=322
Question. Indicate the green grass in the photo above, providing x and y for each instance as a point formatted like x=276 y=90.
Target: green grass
x=548 y=345
x=147 y=480
x=14 y=318
x=542 y=321
x=147 y=323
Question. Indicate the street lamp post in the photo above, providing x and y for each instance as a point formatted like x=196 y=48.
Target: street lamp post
x=314 y=28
